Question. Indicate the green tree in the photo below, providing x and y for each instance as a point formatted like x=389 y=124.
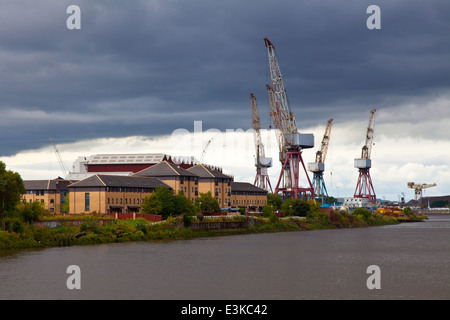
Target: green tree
x=151 y=204
x=295 y=207
x=183 y=205
x=65 y=206
x=267 y=211
x=207 y=203
x=439 y=204
x=11 y=189
x=275 y=201
x=165 y=197
x=164 y=202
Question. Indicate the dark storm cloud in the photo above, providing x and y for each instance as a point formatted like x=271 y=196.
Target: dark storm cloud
x=150 y=67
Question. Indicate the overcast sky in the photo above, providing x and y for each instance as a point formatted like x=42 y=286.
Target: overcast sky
x=137 y=71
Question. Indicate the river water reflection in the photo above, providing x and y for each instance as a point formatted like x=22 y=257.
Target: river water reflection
x=414 y=259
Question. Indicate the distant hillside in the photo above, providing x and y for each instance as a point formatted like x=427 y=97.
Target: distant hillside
x=429 y=200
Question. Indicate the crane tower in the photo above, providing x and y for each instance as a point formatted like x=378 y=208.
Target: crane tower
x=290 y=141
x=261 y=162
x=318 y=167
x=364 y=186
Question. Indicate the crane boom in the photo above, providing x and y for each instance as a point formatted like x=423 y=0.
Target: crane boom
x=61 y=163
x=275 y=115
x=286 y=118
x=367 y=148
x=256 y=127
x=290 y=141
x=204 y=149
x=322 y=153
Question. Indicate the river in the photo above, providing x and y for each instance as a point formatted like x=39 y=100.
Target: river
x=413 y=261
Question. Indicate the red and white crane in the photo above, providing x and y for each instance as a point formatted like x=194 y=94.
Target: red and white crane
x=290 y=141
x=364 y=186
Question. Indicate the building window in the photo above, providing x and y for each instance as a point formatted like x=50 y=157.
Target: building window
x=87 y=204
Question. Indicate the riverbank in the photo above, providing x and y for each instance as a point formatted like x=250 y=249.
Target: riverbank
x=97 y=230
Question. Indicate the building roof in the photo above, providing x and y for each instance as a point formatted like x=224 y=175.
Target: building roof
x=43 y=184
x=164 y=169
x=77 y=176
x=103 y=180
x=126 y=158
x=205 y=172
x=137 y=158
x=246 y=187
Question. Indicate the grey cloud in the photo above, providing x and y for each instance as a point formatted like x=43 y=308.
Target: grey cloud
x=150 y=67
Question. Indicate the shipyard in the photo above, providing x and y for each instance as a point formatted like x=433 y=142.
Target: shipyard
x=116 y=185
x=215 y=157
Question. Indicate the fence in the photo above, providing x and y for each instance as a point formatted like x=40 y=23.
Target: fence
x=134 y=216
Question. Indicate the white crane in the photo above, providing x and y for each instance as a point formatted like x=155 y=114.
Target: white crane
x=261 y=162
x=364 y=186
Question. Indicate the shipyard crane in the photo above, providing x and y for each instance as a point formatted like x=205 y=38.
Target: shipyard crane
x=204 y=150
x=291 y=142
x=61 y=163
x=318 y=167
x=418 y=188
x=364 y=186
x=261 y=162
x=275 y=115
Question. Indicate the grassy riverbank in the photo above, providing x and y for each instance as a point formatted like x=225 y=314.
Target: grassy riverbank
x=20 y=235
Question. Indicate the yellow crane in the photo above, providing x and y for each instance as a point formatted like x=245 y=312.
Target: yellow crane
x=418 y=188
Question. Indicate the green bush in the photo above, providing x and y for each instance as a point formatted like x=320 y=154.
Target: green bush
x=17 y=227
x=91 y=225
x=31 y=212
x=141 y=226
x=187 y=220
